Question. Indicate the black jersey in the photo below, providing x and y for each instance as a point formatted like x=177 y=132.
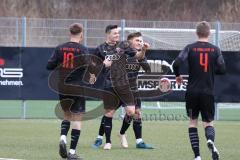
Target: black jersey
x=204 y=60
x=116 y=74
x=68 y=57
x=133 y=66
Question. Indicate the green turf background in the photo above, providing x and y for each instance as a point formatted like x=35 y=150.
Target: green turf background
x=38 y=140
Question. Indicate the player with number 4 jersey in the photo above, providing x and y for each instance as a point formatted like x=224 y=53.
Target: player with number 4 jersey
x=204 y=60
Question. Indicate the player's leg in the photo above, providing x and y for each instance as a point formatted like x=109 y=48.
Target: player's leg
x=210 y=136
x=108 y=128
x=101 y=128
x=75 y=134
x=65 y=125
x=99 y=138
x=106 y=122
x=127 y=101
x=110 y=106
x=125 y=125
x=137 y=124
x=137 y=128
x=208 y=111
x=77 y=110
x=130 y=113
x=194 y=138
x=192 y=108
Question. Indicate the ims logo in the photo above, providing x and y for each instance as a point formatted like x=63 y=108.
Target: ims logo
x=154 y=82
x=10 y=76
x=11 y=72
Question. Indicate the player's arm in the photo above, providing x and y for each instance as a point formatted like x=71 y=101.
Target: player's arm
x=53 y=61
x=132 y=52
x=93 y=66
x=220 y=64
x=177 y=63
x=142 y=58
x=145 y=66
x=140 y=55
x=97 y=63
x=100 y=55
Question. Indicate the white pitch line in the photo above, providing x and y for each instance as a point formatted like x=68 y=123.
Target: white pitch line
x=9 y=159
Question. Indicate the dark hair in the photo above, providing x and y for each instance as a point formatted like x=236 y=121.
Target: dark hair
x=203 y=29
x=75 y=28
x=110 y=27
x=133 y=35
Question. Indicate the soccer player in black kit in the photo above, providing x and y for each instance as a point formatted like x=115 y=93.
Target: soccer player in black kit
x=66 y=59
x=133 y=66
x=116 y=78
x=204 y=60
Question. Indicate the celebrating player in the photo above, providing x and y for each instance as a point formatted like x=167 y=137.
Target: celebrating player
x=133 y=66
x=116 y=79
x=204 y=60
x=67 y=58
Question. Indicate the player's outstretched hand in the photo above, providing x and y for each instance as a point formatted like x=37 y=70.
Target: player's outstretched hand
x=92 y=79
x=179 y=80
x=107 y=63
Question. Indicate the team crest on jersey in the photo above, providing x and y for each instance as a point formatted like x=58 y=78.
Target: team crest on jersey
x=132 y=66
x=112 y=57
x=118 y=50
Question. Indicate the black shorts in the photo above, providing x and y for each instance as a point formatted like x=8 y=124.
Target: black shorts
x=75 y=104
x=138 y=103
x=122 y=97
x=137 y=99
x=134 y=89
x=197 y=102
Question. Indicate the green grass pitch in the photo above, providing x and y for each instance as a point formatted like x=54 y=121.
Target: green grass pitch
x=38 y=140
